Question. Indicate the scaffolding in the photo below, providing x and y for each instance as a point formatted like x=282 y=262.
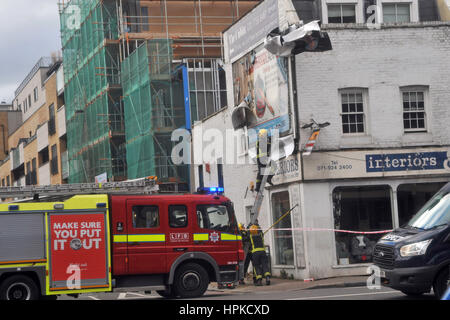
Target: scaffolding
x=154 y=107
x=123 y=91
x=94 y=111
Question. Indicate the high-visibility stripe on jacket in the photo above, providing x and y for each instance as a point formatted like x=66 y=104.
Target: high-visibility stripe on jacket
x=257 y=241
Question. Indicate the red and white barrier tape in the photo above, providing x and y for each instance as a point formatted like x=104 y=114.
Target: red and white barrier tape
x=333 y=230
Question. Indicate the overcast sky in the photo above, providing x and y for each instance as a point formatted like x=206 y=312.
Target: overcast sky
x=29 y=30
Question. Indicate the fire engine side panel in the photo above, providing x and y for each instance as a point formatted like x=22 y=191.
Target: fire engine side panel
x=22 y=237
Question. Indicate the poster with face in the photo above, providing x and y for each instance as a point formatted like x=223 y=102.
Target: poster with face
x=261 y=80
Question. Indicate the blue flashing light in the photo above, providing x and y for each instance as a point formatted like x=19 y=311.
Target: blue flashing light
x=211 y=190
x=13 y=207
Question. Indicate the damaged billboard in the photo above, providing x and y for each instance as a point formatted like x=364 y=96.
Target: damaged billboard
x=261 y=85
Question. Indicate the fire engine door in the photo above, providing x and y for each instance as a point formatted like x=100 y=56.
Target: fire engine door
x=216 y=233
x=146 y=237
x=179 y=237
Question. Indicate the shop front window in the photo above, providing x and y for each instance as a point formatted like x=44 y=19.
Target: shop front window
x=284 y=248
x=360 y=209
x=412 y=197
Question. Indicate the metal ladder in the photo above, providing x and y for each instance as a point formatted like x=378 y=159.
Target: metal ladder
x=254 y=212
x=138 y=186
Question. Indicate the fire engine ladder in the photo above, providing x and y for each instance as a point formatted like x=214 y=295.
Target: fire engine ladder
x=138 y=186
x=254 y=212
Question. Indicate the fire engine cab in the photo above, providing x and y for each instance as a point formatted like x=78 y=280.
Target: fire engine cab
x=115 y=237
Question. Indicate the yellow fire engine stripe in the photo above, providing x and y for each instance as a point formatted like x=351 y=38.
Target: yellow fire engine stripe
x=230 y=237
x=146 y=238
x=201 y=236
x=23 y=265
x=120 y=238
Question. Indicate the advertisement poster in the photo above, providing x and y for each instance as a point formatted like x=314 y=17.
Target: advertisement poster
x=78 y=247
x=261 y=79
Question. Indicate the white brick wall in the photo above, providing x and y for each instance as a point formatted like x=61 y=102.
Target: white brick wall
x=381 y=61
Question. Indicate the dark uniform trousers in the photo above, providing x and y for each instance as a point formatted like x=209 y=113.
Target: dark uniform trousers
x=259 y=256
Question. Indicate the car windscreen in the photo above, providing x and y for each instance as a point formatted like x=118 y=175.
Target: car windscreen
x=436 y=212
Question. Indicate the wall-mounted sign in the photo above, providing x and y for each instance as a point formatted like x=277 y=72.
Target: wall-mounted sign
x=252 y=28
x=406 y=161
x=383 y=163
x=288 y=170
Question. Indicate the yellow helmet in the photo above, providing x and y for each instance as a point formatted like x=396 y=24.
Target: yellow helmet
x=262 y=133
x=241 y=227
x=254 y=229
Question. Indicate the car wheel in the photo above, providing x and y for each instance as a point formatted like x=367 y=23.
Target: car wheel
x=19 y=287
x=440 y=283
x=191 y=280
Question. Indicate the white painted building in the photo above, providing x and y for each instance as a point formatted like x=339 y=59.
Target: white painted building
x=385 y=93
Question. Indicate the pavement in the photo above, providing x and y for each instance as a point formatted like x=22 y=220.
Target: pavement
x=279 y=284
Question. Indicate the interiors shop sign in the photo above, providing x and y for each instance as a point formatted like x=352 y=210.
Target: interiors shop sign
x=379 y=163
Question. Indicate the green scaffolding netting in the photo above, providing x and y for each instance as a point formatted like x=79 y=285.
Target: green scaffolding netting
x=153 y=108
x=91 y=67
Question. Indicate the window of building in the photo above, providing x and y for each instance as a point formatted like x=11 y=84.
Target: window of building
x=360 y=209
x=414 y=115
x=35 y=94
x=207 y=87
x=220 y=174
x=411 y=197
x=33 y=172
x=145 y=217
x=29 y=101
x=178 y=216
x=283 y=242
x=28 y=174
x=201 y=182
x=51 y=120
x=352 y=103
x=396 y=12
x=43 y=156
x=54 y=160
x=341 y=13
x=144 y=19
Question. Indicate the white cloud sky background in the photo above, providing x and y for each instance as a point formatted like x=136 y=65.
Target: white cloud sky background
x=29 y=30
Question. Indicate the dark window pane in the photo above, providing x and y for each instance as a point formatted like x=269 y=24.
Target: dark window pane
x=361 y=127
x=178 y=216
x=360 y=209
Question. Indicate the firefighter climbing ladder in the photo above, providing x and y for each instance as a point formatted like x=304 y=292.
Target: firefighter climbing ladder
x=138 y=186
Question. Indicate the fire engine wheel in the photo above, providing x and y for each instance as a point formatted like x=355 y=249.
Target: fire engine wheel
x=191 y=280
x=19 y=287
x=441 y=283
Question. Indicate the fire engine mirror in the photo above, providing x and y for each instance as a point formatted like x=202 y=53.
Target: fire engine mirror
x=119 y=226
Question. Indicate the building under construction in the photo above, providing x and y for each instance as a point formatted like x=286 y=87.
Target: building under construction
x=134 y=71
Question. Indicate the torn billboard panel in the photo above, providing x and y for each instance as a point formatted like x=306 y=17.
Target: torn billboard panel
x=297 y=39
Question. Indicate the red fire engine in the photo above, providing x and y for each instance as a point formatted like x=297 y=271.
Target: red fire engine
x=115 y=237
